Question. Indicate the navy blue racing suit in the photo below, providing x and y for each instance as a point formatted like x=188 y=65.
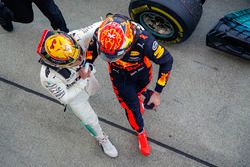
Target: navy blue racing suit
x=131 y=75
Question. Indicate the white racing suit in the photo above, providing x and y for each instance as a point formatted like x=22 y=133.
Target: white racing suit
x=71 y=90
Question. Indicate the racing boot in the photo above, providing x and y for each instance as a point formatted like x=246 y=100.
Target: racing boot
x=7 y=25
x=143 y=143
x=108 y=148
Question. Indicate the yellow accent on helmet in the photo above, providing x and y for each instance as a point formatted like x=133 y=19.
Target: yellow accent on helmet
x=60 y=47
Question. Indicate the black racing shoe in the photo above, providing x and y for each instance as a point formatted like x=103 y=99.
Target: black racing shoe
x=6 y=16
x=7 y=25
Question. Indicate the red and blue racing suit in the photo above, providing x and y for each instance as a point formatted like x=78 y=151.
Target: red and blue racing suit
x=131 y=75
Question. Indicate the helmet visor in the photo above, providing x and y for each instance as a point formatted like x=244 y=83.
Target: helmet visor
x=112 y=58
x=80 y=59
x=119 y=54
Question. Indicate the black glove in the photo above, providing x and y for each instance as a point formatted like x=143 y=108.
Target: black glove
x=147 y=94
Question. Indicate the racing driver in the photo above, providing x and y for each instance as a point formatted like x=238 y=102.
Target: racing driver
x=129 y=50
x=63 y=59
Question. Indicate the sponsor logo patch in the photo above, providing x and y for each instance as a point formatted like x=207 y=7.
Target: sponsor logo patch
x=134 y=53
x=143 y=36
x=163 y=79
x=155 y=45
x=159 y=52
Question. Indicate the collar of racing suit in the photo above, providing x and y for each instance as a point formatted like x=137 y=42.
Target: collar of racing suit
x=65 y=72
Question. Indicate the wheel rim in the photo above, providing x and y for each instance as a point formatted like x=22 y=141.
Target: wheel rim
x=157 y=24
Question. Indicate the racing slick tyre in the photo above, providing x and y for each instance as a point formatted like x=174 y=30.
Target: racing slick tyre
x=232 y=34
x=169 y=21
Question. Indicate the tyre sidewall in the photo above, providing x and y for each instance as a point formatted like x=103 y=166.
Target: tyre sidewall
x=175 y=12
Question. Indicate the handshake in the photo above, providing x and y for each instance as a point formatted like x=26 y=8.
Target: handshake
x=85 y=70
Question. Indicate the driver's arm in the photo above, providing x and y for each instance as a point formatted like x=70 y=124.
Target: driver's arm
x=159 y=55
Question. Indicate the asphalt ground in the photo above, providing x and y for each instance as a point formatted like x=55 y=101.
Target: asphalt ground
x=203 y=119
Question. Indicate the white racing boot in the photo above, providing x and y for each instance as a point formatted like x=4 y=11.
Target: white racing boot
x=108 y=147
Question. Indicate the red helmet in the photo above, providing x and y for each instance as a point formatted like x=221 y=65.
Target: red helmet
x=115 y=37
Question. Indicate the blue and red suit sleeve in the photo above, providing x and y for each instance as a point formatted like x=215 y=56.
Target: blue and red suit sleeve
x=91 y=53
x=159 y=55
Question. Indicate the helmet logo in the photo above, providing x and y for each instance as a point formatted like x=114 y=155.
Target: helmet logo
x=111 y=38
x=52 y=44
x=111 y=35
